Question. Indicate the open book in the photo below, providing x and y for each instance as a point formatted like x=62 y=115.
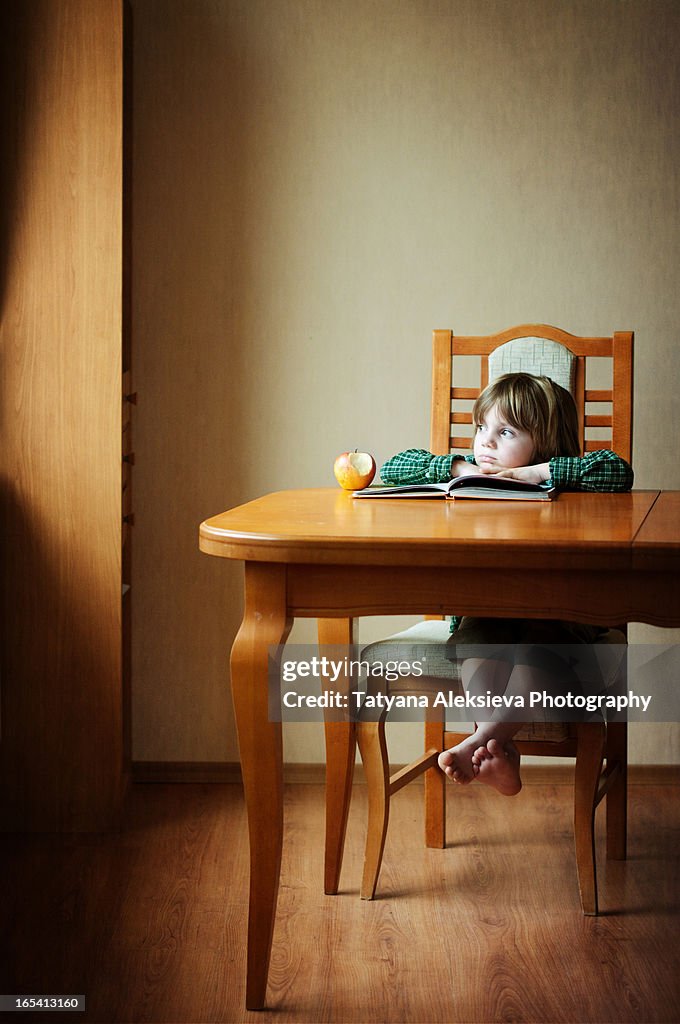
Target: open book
x=470 y=486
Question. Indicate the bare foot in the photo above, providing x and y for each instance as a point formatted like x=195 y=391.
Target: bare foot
x=498 y=766
x=458 y=763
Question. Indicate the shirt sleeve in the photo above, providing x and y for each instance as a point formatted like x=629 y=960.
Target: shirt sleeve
x=602 y=470
x=418 y=466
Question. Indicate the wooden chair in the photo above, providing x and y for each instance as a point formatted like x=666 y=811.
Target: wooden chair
x=600 y=750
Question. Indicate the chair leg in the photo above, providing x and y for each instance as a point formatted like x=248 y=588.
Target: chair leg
x=435 y=790
x=617 y=797
x=340 y=750
x=373 y=749
x=340 y=753
x=590 y=752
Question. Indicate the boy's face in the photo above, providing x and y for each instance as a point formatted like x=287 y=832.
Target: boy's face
x=497 y=444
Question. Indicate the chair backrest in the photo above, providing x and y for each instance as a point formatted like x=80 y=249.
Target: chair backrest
x=536 y=348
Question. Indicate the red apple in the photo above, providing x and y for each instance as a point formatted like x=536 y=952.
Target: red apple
x=354 y=470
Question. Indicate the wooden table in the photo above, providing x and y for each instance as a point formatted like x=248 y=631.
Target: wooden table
x=601 y=558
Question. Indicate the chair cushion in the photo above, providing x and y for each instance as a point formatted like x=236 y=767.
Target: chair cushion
x=426 y=641
x=535 y=355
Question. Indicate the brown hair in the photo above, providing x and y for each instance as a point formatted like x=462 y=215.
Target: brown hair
x=538 y=405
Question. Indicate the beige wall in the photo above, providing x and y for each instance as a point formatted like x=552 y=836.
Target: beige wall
x=317 y=185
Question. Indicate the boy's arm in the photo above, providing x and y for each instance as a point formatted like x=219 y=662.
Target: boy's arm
x=602 y=470
x=417 y=466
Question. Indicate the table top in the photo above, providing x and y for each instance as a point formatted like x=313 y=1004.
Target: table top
x=328 y=526
x=657 y=545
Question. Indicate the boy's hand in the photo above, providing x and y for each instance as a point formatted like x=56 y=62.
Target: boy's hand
x=529 y=474
x=462 y=468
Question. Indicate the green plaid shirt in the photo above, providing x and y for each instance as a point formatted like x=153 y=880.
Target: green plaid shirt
x=596 y=471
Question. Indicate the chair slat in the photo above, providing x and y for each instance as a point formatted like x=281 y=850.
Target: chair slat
x=598 y=421
x=598 y=395
x=460 y=442
x=441 y=392
x=579 y=395
x=485 y=371
x=465 y=393
x=622 y=379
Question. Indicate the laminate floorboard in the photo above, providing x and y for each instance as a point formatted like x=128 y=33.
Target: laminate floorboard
x=150 y=923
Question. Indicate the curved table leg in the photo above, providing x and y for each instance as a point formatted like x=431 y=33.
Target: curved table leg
x=265 y=624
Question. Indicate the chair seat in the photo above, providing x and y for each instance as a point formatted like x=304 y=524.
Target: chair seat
x=423 y=642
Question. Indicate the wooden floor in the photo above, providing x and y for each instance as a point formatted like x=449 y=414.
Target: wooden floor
x=150 y=924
